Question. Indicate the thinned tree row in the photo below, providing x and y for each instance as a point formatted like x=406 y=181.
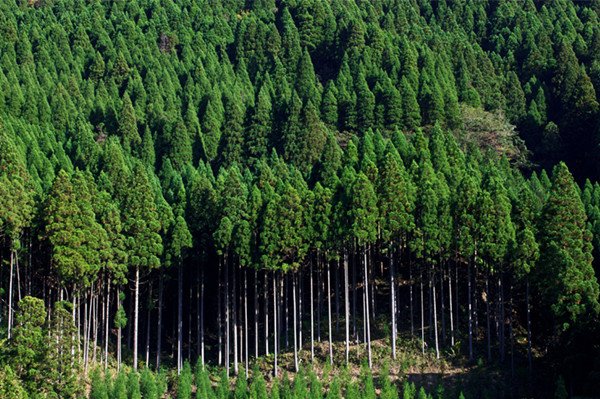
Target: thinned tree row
x=435 y=215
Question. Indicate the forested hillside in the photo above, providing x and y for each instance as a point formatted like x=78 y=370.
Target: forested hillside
x=228 y=180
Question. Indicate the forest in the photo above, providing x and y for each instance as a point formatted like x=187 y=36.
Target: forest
x=300 y=198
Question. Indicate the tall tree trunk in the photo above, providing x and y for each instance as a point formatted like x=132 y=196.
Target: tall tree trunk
x=246 y=319
x=442 y=302
x=346 y=307
x=179 y=315
x=410 y=293
x=502 y=340
x=202 y=319
x=300 y=285
x=106 y=324
x=393 y=299
x=256 y=312
x=286 y=293
x=457 y=307
x=10 y=294
x=450 y=304
x=368 y=332
x=275 y=323
x=435 y=323
x=354 y=293
x=235 y=321
x=510 y=329
x=330 y=337
x=319 y=296
x=148 y=329
x=422 y=312
x=337 y=296
x=487 y=307
x=312 y=323
x=470 y=314
x=528 y=325
x=266 y=310
x=295 y=323
x=227 y=314
x=219 y=314
x=119 y=334
x=136 y=317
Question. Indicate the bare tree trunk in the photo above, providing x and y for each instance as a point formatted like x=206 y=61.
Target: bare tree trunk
x=275 y=323
x=450 y=305
x=246 y=317
x=227 y=330
x=235 y=322
x=330 y=337
x=410 y=290
x=219 y=314
x=422 y=313
x=266 y=310
x=106 y=324
x=286 y=293
x=159 y=326
x=457 y=307
x=470 y=314
x=136 y=317
x=319 y=297
x=148 y=328
x=443 y=304
x=487 y=307
x=179 y=316
x=300 y=285
x=312 y=321
x=368 y=332
x=435 y=323
x=528 y=326
x=118 y=334
x=202 y=319
x=295 y=323
x=337 y=296
x=346 y=307
x=393 y=299
x=10 y=294
x=502 y=340
x=256 y=313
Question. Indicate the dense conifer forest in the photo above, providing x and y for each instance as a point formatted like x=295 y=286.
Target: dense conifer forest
x=283 y=192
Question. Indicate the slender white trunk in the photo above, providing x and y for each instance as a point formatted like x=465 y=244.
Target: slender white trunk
x=148 y=330
x=346 y=307
x=159 y=326
x=106 y=324
x=202 y=319
x=10 y=294
x=368 y=334
x=330 y=337
x=246 y=318
x=470 y=313
x=422 y=313
x=487 y=308
x=528 y=326
x=179 y=315
x=266 y=310
x=255 y=313
x=435 y=324
x=235 y=323
x=393 y=300
x=295 y=323
x=227 y=314
x=450 y=304
x=136 y=317
x=312 y=323
x=275 y=325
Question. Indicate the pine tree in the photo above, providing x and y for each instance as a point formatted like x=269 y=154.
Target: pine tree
x=565 y=251
x=128 y=129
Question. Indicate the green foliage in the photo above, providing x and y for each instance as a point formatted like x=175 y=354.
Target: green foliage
x=98 y=389
x=148 y=386
x=184 y=382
